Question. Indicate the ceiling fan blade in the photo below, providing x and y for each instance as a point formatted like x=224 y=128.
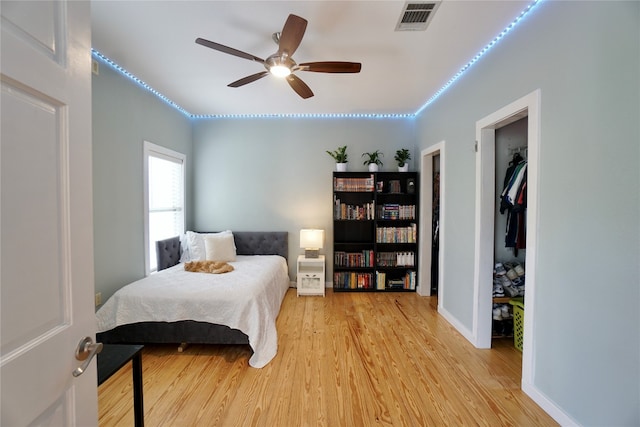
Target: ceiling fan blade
x=291 y=34
x=299 y=86
x=229 y=50
x=331 y=67
x=249 y=79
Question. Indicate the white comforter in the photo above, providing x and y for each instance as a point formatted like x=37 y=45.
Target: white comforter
x=247 y=299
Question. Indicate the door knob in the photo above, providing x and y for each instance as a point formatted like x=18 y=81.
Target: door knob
x=85 y=351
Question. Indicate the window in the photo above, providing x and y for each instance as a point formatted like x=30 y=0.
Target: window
x=163 y=198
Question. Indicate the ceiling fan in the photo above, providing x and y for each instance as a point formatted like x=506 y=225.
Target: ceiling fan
x=281 y=63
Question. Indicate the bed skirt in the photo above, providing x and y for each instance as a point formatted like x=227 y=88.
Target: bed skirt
x=189 y=331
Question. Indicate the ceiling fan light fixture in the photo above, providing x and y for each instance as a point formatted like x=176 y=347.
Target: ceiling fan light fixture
x=279 y=65
x=280 y=70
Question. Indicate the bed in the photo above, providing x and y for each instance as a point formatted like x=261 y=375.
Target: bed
x=177 y=306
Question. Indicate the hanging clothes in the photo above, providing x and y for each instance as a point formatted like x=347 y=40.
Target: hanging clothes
x=509 y=176
x=513 y=200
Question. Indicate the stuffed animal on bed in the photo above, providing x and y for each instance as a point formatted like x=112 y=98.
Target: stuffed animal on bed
x=215 y=267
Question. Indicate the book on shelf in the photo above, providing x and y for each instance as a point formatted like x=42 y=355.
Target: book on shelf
x=395 y=259
x=381 y=280
x=392 y=211
x=395 y=283
x=352 y=280
x=353 y=184
x=408 y=282
x=353 y=259
x=394 y=186
x=397 y=234
x=355 y=212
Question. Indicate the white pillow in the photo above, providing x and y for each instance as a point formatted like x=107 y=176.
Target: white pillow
x=197 y=250
x=220 y=247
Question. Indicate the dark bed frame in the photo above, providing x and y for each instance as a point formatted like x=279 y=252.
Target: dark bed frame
x=190 y=331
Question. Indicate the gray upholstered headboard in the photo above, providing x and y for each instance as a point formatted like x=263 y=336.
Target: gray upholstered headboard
x=247 y=243
x=168 y=252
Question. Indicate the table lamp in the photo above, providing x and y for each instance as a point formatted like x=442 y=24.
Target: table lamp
x=311 y=241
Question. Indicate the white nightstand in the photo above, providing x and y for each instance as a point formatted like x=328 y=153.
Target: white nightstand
x=310 y=275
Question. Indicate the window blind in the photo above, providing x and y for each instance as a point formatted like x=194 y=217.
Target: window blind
x=166 y=200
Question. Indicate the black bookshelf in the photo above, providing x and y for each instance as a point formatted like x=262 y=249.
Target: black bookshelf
x=375 y=231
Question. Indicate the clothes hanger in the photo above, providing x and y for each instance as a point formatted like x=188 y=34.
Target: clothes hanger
x=517 y=158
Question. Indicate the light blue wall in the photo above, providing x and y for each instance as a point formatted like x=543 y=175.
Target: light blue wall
x=585 y=59
x=125 y=115
x=275 y=174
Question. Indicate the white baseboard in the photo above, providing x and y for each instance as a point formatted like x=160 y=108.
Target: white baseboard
x=456 y=324
x=547 y=405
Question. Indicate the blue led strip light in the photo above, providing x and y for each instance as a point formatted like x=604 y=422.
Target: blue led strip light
x=306 y=116
x=479 y=55
x=127 y=74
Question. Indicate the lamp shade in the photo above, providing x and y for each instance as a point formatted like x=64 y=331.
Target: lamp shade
x=311 y=238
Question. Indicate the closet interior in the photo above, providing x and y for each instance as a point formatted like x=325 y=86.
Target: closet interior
x=435 y=226
x=510 y=231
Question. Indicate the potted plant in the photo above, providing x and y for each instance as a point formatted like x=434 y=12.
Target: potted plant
x=401 y=157
x=373 y=161
x=340 y=156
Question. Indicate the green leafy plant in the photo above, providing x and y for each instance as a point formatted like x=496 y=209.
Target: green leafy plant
x=402 y=156
x=374 y=157
x=339 y=155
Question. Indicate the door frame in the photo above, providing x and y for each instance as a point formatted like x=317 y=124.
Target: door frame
x=527 y=106
x=426 y=217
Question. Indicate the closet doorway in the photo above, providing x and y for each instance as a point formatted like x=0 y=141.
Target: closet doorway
x=432 y=217
x=509 y=257
x=485 y=234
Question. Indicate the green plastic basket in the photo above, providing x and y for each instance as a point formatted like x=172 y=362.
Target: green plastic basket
x=518 y=321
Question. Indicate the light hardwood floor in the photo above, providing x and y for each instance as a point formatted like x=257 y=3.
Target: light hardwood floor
x=350 y=359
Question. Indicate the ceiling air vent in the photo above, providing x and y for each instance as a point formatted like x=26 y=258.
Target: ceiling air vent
x=416 y=15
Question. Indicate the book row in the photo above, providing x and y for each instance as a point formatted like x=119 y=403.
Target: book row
x=407 y=282
x=397 y=234
x=366 y=211
x=396 y=211
x=354 y=280
x=353 y=259
x=365 y=259
x=358 y=212
x=353 y=184
x=395 y=259
x=394 y=186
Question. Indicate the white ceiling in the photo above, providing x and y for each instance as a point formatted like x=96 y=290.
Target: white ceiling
x=154 y=41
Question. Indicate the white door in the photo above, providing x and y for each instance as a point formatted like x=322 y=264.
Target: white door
x=46 y=252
